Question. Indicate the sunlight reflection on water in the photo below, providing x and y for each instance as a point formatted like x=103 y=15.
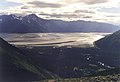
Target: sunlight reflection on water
x=53 y=39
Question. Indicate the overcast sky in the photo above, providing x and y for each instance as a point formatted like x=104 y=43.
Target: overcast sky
x=90 y=10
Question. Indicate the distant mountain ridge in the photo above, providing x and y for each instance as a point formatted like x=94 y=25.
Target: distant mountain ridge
x=33 y=24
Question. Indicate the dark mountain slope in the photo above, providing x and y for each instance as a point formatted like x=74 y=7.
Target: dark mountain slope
x=35 y=23
x=15 y=66
x=110 y=46
x=110 y=42
x=27 y=24
x=80 y=26
x=11 y=24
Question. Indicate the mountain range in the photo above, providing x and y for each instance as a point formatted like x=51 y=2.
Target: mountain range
x=34 y=24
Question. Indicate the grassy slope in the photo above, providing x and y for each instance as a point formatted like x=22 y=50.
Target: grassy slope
x=15 y=66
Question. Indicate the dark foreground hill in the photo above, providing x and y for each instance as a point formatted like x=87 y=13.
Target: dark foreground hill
x=111 y=46
x=110 y=43
x=15 y=66
x=33 y=24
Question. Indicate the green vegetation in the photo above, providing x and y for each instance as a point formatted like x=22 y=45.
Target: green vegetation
x=25 y=65
x=108 y=78
x=114 y=71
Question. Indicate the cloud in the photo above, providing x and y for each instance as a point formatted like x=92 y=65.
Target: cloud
x=41 y=4
x=84 y=11
x=8 y=4
x=117 y=16
x=112 y=16
x=19 y=1
x=26 y=7
x=86 y=1
x=87 y=17
x=110 y=10
x=66 y=15
x=94 y=1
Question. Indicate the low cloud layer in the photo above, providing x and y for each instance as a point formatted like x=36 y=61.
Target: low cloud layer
x=72 y=15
